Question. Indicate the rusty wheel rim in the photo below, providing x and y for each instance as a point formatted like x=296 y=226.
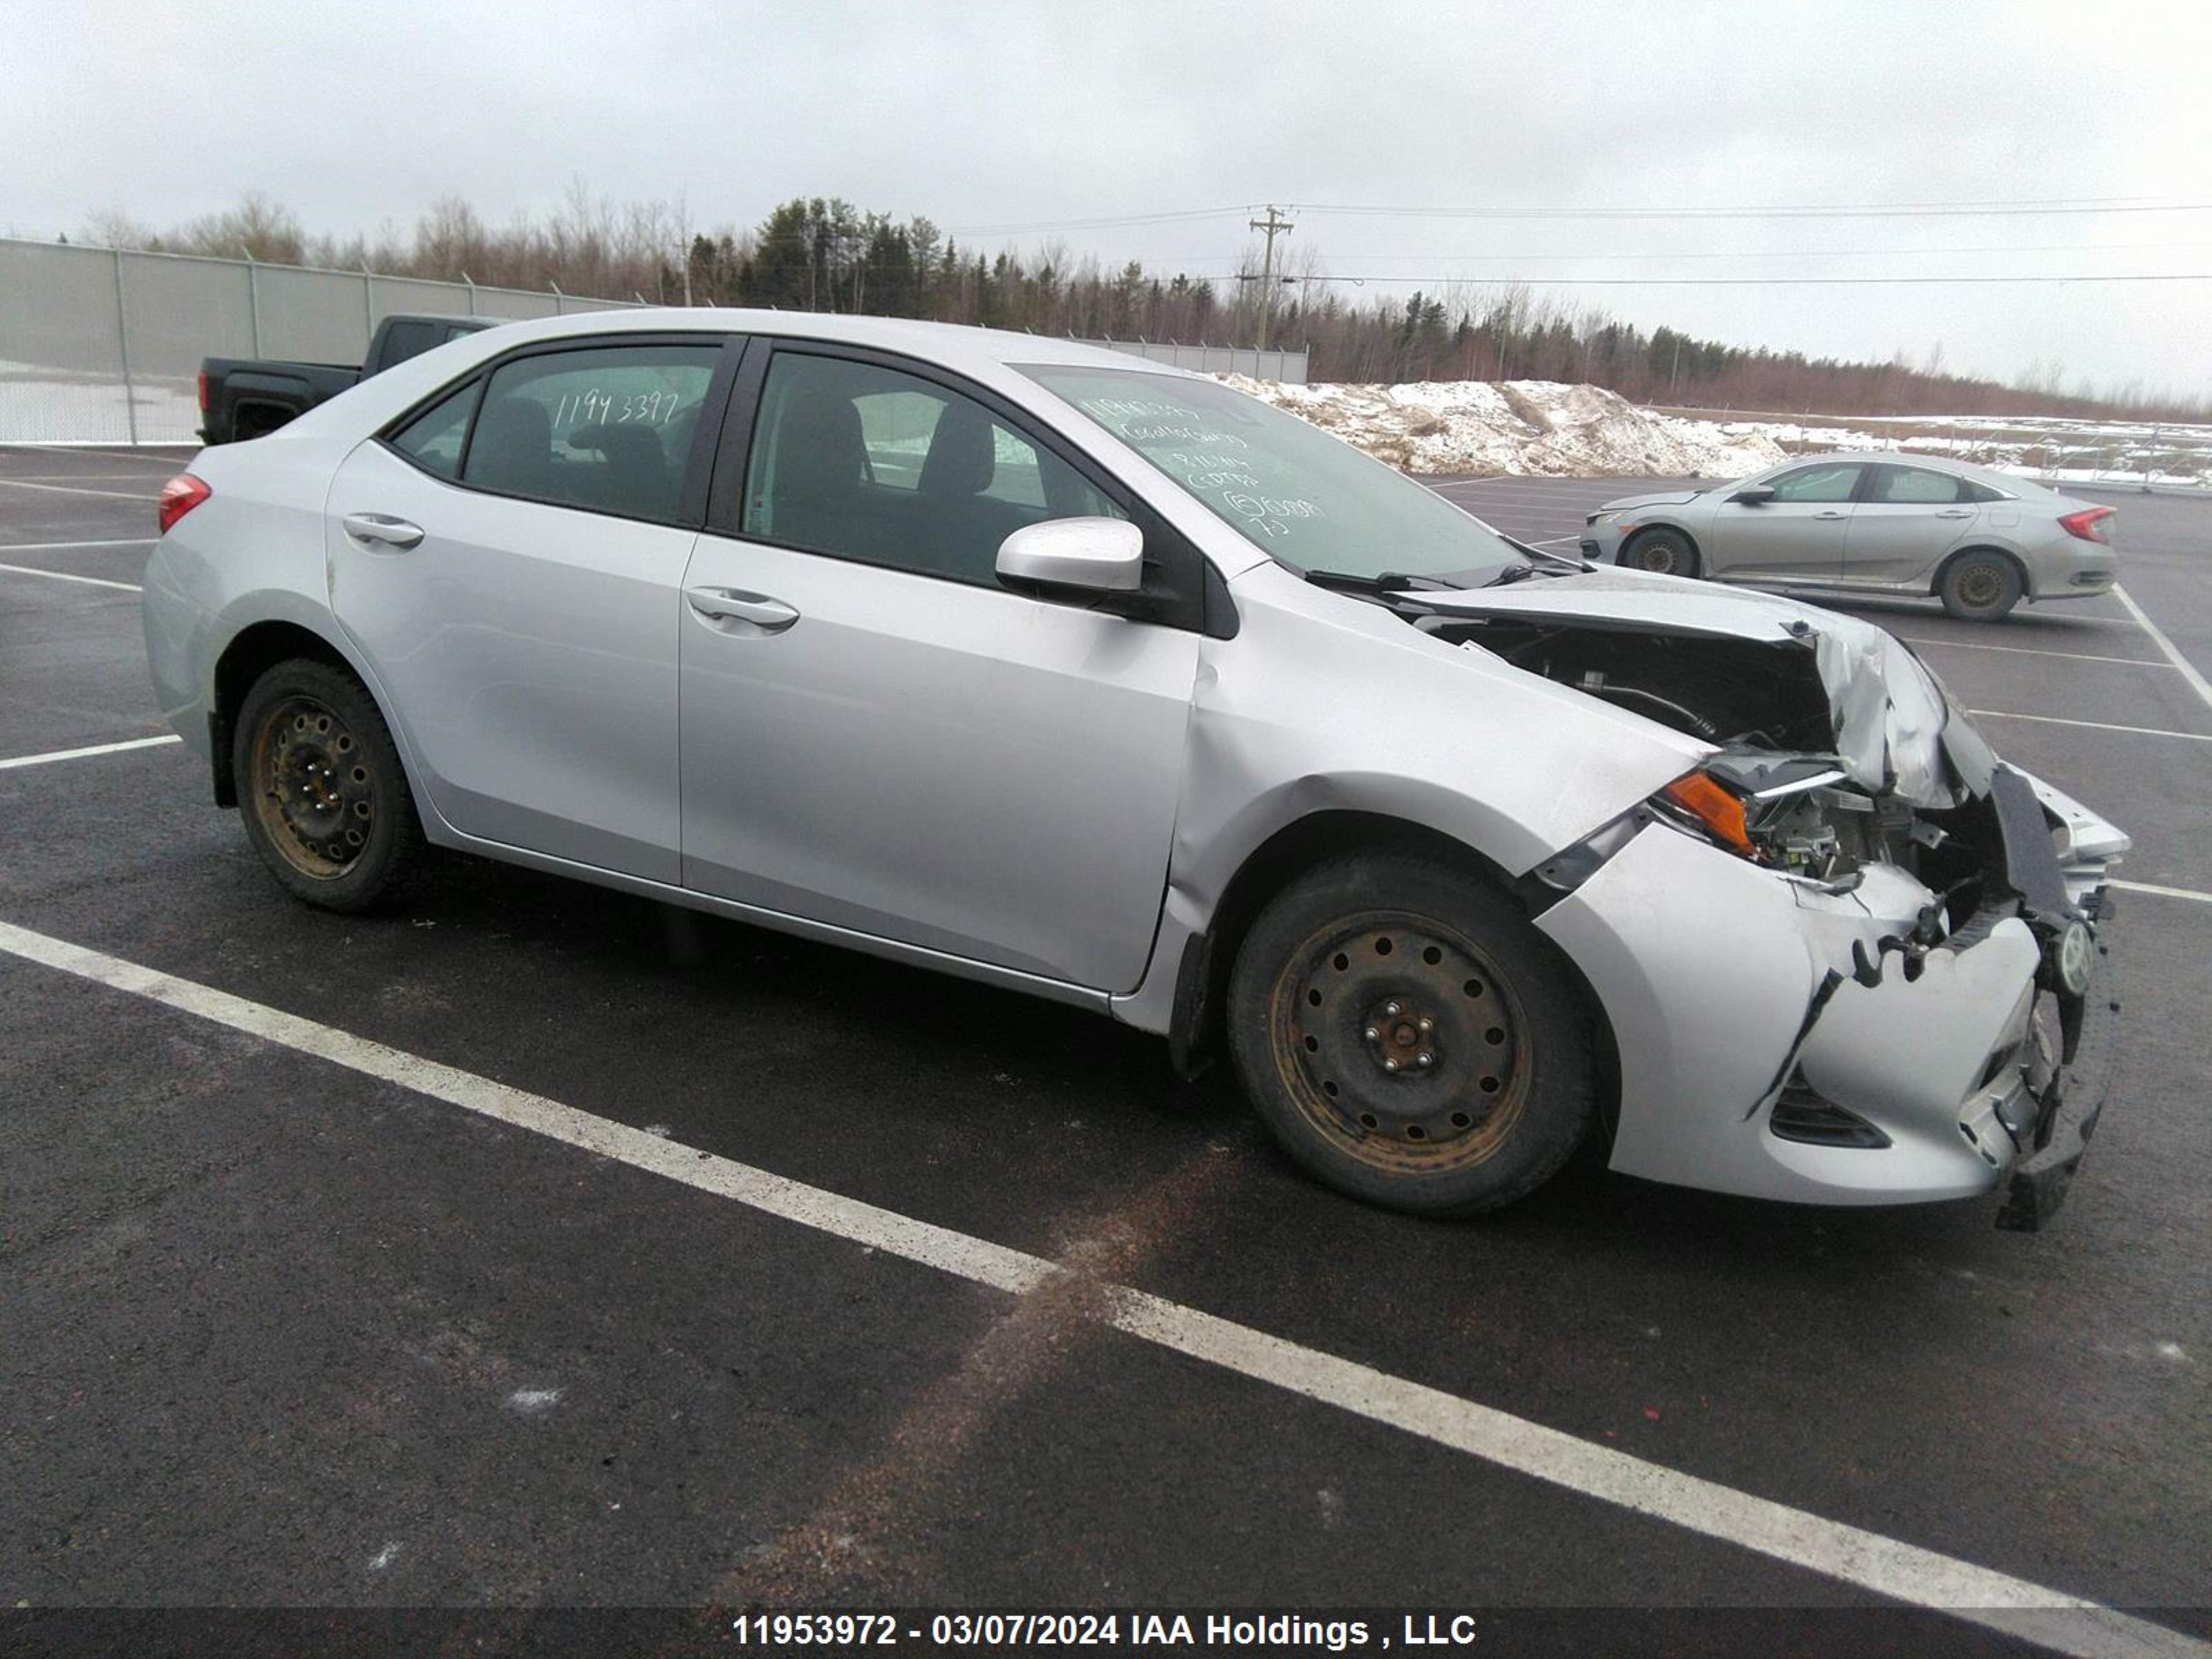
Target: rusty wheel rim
x=1980 y=585
x=1657 y=557
x=1396 y=1038
x=313 y=791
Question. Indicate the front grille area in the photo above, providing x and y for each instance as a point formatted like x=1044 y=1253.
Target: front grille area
x=1801 y=1114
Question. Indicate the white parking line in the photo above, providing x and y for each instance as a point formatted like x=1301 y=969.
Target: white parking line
x=74 y=489
x=48 y=758
x=70 y=547
x=78 y=489
x=2016 y=650
x=2197 y=681
x=1903 y=1572
x=66 y=575
x=2094 y=726
x=2154 y=888
x=140 y=456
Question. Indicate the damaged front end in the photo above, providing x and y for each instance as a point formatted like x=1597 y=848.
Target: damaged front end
x=1854 y=956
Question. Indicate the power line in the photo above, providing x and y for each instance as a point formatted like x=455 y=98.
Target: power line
x=1102 y=222
x=1764 y=281
x=1863 y=211
x=2028 y=206
x=1731 y=254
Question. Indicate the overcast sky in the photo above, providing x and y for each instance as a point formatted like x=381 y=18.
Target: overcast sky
x=984 y=114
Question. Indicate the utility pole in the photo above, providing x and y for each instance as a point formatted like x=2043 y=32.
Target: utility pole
x=1272 y=226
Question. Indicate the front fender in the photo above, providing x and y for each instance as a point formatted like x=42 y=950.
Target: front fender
x=1324 y=703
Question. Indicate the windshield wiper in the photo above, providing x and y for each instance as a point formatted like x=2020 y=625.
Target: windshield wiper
x=1387 y=581
x=1574 y=562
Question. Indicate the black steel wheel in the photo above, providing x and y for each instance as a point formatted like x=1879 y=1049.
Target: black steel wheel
x=1409 y=1038
x=1663 y=552
x=320 y=786
x=1980 y=585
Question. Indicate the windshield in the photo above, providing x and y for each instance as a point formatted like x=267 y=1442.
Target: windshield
x=1301 y=497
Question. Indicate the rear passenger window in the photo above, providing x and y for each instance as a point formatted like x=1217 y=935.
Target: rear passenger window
x=432 y=439
x=867 y=463
x=608 y=429
x=1907 y=485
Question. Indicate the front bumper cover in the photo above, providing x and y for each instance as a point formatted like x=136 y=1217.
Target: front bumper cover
x=2071 y=1105
x=1710 y=971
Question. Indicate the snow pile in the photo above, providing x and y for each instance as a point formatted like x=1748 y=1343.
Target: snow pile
x=1540 y=428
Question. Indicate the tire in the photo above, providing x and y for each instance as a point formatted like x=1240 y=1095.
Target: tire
x=1381 y=942
x=1662 y=552
x=1980 y=585
x=323 y=796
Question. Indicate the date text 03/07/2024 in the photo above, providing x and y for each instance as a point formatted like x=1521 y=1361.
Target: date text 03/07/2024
x=1249 y=1631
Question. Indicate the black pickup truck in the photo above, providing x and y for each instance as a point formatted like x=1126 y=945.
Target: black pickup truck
x=243 y=398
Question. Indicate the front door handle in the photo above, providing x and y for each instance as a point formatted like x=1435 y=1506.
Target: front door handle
x=382 y=527
x=730 y=604
x=1829 y=515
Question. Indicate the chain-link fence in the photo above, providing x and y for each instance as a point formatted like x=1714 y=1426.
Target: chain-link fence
x=1269 y=365
x=99 y=346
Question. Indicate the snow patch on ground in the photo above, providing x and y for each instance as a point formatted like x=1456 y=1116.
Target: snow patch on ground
x=1535 y=427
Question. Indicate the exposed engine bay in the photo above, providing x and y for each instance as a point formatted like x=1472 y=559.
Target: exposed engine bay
x=1836 y=751
x=1763 y=703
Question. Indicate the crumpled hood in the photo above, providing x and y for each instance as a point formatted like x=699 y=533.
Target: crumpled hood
x=1894 y=721
x=1661 y=498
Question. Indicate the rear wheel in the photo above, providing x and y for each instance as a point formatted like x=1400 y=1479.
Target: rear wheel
x=320 y=787
x=1662 y=552
x=1409 y=1038
x=1980 y=586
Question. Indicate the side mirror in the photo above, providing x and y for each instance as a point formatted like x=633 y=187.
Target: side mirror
x=1074 y=556
x=1757 y=495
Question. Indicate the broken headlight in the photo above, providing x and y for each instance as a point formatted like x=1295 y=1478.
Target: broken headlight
x=1787 y=814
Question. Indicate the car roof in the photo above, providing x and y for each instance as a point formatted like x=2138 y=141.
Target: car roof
x=952 y=344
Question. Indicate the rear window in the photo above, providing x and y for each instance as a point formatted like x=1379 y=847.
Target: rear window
x=405 y=340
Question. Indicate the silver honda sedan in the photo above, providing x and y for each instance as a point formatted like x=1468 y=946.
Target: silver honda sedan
x=1980 y=541
x=1082 y=678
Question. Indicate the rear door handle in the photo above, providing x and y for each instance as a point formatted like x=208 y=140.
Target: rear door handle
x=730 y=604
x=382 y=527
x=1956 y=512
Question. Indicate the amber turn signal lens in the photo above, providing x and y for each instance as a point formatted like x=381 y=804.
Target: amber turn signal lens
x=1721 y=812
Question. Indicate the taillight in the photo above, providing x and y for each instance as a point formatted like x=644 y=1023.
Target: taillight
x=204 y=391
x=2088 y=524
x=179 y=496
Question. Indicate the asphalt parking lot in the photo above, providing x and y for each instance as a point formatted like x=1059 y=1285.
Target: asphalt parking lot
x=286 y=1320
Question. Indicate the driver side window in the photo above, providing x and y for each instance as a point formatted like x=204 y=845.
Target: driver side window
x=863 y=462
x=1832 y=485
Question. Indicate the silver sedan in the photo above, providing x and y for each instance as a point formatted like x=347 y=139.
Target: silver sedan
x=1032 y=663
x=1980 y=541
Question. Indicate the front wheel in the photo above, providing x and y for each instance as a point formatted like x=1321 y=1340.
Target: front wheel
x=1980 y=586
x=1662 y=552
x=1409 y=1038
x=320 y=786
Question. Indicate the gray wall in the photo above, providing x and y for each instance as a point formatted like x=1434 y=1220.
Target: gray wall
x=104 y=347
x=98 y=346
